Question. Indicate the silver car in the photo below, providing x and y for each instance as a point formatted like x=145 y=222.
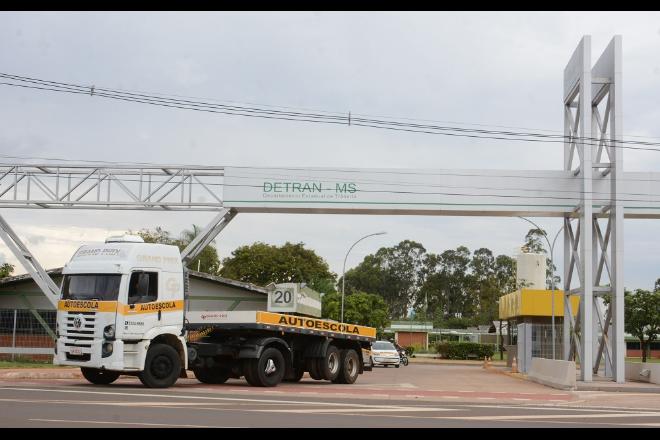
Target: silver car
x=384 y=353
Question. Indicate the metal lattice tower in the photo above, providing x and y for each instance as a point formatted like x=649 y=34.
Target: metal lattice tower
x=592 y=126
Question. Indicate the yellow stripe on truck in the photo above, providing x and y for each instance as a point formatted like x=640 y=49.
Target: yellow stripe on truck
x=76 y=305
x=314 y=324
x=71 y=305
x=152 y=307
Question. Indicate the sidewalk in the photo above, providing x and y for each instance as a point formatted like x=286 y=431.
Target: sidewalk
x=429 y=360
x=40 y=373
x=600 y=384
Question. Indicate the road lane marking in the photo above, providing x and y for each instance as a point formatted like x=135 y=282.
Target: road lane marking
x=550 y=416
x=231 y=399
x=353 y=410
x=127 y=423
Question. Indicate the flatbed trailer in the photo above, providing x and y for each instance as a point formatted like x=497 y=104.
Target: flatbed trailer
x=266 y=347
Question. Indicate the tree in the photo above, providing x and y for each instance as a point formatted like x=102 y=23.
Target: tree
x=447 y=284
x=359 y=308
x=395 y=273
x=207 y=261
x=6 y=270
x=457 y=284
x=261 y=264
x=642 y=317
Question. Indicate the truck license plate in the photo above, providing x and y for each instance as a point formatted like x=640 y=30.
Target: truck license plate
x=76 y=350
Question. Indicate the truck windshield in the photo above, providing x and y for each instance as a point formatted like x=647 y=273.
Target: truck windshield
x=91 y=286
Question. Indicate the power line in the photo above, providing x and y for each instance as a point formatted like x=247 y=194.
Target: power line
x=328 y=118
x=317 y=111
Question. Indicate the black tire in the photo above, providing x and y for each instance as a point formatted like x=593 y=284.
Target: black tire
x=247 y=369
x=296 y=375
x=313 y=369
x=161 y=368
x=213 y=375
x=397 y=365
x=330 y=365
x=268 y=370
x=99 y=377
x=349 y=370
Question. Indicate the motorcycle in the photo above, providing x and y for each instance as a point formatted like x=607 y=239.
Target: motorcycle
x=404 y=357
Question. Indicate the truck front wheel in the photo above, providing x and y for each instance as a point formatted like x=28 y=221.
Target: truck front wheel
x=161 y=368
x=99 y=377
x=268 y=370
x=349 y=370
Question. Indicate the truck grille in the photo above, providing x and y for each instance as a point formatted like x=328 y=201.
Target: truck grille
x=84 y=335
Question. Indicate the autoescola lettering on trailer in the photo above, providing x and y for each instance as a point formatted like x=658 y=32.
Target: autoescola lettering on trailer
x=314 y=324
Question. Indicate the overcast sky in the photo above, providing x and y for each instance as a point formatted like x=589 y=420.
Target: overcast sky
x=482 y=68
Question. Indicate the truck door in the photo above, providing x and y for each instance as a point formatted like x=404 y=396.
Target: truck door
x=141 y=313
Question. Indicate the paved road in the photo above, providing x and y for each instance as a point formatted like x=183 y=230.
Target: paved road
x=415 y=396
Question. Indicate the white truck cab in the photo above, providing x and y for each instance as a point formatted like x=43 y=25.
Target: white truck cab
x=117 y=299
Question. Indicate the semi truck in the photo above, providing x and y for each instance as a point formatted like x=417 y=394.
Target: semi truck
x=123 y=311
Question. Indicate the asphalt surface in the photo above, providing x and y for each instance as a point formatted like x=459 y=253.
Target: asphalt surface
x=414 y=396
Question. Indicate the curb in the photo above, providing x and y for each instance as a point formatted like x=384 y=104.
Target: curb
x=619 y=389
x=47 y=374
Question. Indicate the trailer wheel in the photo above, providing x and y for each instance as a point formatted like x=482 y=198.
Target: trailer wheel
x=161 y=368
x=349 y=370
x=212 y=375
x=268 y=370
x=313 y=368
x=99 y=377
x=330 y=365
x=246 y=369
x=297 y=374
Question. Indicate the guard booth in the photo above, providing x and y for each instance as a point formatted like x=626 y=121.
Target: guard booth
x=528 y=313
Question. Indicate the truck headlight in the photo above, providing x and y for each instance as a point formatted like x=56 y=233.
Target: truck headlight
x=109 y=332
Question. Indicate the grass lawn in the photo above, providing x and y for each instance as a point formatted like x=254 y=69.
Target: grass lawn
x=653 y=360
x=26 y=363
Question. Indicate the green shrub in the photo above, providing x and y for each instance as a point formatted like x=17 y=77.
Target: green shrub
x=464 y=350
x=410 y=350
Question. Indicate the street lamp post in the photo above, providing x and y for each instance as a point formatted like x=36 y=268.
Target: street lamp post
x=552 y=281
x=343 y=275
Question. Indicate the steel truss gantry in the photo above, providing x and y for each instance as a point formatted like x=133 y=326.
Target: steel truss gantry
x=85 y=186
x=593 y=252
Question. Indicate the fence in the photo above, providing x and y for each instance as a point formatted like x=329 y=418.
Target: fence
x=535 y=341
x=27 y=334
